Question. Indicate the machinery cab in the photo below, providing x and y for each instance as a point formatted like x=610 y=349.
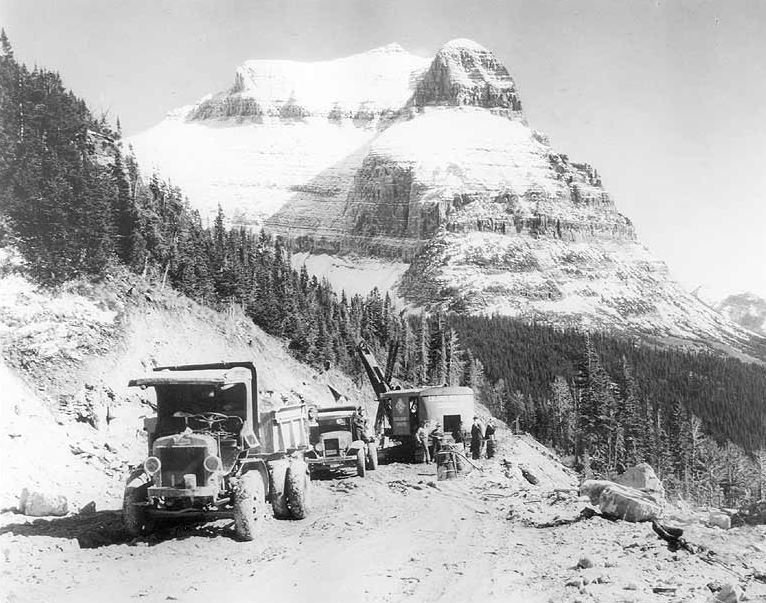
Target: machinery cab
x=400 y=412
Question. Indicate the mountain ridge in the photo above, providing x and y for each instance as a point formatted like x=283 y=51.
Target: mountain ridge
x=475 y=209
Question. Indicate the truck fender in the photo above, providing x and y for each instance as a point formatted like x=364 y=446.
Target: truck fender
x=137 y=475
x=356 y=446
x=255 y=465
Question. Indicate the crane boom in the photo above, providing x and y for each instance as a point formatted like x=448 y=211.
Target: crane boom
x=377 y=379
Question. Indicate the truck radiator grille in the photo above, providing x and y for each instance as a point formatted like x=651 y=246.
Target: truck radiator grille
x=178 y=461
x=331 y=447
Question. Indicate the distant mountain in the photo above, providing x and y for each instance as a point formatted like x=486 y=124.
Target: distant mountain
x=747 y=310
x=422 y=177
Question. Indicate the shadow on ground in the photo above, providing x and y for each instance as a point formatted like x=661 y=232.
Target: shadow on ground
x=105 y=528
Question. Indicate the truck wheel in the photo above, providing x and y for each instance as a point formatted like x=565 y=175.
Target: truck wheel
x=134 y=515
x=277 y=475
x=298 y=490
x=361 y=466
x=372 y=451
x=249 y=500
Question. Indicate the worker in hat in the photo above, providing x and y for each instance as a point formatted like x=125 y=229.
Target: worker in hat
x=477 y=438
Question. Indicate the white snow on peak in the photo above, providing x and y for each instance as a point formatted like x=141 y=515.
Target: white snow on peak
x=377 y=80
x=468 y=147
x=463 y=44
x=388 y=48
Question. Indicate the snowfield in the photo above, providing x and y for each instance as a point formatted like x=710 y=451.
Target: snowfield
x=377 y=80
x=250 y=169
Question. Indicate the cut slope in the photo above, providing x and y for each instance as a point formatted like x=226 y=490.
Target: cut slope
x=79 y=425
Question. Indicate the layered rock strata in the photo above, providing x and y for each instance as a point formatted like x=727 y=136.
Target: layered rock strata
x=384 y=165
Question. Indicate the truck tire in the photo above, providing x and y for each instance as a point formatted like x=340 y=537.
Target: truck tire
x=361 y=463
x=249 y=502
x=133 y=515
x=372 y=451
x=277 y=476
x=298 y=489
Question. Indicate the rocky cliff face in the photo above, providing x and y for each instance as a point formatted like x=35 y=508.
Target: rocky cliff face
x=428 y=165
x=465 y=73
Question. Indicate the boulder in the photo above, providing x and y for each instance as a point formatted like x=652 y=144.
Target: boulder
x=719 y=520
x=584 y=562
x=729 y=593
x=642 y=477
x=621 y=502
x=42 y=504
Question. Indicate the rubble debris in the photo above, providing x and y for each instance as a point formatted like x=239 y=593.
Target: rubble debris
x=88 y=509
x=585 y=562
x=673 y=536
x=621 y=502
x=529 y=476
x=39 y=504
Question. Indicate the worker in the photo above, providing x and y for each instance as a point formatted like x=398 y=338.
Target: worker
x=477 y=438
x=457 y=436
x=421 y=438
x=437 y=435
x=360 y=422
x=489 y=434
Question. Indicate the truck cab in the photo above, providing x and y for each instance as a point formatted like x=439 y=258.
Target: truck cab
x=338 y=439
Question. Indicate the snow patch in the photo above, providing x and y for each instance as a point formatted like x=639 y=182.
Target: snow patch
x=353 y=274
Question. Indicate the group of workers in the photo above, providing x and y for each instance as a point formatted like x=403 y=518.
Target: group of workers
x=479 y=437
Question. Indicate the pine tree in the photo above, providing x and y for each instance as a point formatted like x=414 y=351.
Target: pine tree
x=424 y=347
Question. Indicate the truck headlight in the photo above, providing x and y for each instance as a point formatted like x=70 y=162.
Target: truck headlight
x=152 y=465
x=213 y=464
x=318 y=447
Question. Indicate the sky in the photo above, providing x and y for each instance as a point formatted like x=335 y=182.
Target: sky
x=666 y=99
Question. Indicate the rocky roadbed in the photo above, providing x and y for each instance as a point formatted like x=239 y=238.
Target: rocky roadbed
x=396 y=535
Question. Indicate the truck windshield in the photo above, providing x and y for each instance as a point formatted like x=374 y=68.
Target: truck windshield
x=198 y=399
x=339 y=424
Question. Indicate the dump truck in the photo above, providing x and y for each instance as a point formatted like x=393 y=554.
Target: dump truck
x=213 y=454
x=400 y=411
x=338 y=441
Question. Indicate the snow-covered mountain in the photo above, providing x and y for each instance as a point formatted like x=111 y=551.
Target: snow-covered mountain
x=746 y=309
x=422 y=176
x=282 y=123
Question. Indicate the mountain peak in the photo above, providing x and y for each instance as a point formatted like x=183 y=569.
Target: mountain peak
x=463 y=72
x=463 y=44
x=361 y=86
x=392 y=48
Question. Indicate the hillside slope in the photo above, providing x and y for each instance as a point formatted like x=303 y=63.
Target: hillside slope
x=70 y=424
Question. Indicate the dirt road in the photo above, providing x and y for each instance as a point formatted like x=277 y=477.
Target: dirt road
x=395 y=535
